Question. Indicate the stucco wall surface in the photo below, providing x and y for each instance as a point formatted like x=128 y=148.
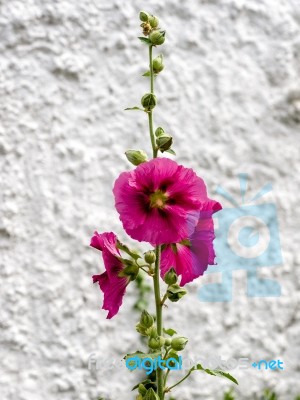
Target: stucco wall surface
x=230 y=96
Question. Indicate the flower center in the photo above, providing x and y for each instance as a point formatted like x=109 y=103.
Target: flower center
x=158 y=199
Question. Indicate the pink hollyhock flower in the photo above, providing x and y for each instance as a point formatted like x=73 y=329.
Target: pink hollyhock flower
x=158 y=201
x=191 y=257
x=112 y=285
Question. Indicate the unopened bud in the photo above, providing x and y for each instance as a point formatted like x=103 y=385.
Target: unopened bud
x=148 y=101
x=158 y=64
x=151 y=332
x=175 y=292
x=141 y=329
x=142 y=390
x=164 y=142
x=168 y=342
x=171 y=277
x=150 y=395
x=146 y=319
x=156 y=343
x=157 y=37
x=153 y=21
x=159 y=131
x=150 y=257
x=136 y=157
x=144 y=16
x=179 y=343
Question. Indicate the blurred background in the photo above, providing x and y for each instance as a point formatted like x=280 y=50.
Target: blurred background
x=229 y=95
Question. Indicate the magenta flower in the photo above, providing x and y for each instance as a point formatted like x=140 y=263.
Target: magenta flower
x=158 y=201
x=112 y=285
x=191 y=257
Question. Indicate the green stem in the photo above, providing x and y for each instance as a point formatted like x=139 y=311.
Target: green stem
x=181 y=380
x=159 y=372
x=150 y=113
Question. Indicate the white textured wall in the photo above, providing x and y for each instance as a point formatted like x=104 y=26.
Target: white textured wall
x=230 y=95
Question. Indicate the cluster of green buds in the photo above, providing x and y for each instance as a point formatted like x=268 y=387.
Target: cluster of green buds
x=147 y=328
x=150 y=28
x=174 y=291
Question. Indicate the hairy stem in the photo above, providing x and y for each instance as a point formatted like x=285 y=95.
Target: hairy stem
x=150 y=113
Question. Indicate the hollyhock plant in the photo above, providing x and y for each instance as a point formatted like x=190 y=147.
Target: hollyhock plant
x=166 y=205
x=158 y=199
x=111 y=283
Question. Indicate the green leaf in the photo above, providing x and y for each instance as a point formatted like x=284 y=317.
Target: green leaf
x=134 y=108
x=145 y=382
x=126 y=249
x=147 y=73
x=169 y=331
x=215 y=372
x=171 y=152
x=145 y=40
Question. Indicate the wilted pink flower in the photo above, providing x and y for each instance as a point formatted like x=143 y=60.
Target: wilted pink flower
x=191 y=257
x=157 y=201
x=112 y=285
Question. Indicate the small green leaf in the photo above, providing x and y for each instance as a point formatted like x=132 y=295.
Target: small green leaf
x=147 y=73
x=145 y=382
x=126 y=249
x=145 y=40
x=169 y=331
x=171 y=152
x=215 y=372
x=134 y=108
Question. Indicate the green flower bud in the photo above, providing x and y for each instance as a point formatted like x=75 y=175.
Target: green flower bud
x=153 y=21
x=150 y=257
x=146 y=319
x=142 y=390
x=170 y=277
x=136 y=157
x=164 y=142
x=167 y=342
x=148 y=101
x=141 y=329
x=159 y=131
x=158 y=64
x=156 y=343
x=179 y=343
x=175 y=292
x=157 y=37
x=144 y=16
x=150 y=395
x=152 y=332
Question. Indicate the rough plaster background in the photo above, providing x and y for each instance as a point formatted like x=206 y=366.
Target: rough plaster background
x=230 y=95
